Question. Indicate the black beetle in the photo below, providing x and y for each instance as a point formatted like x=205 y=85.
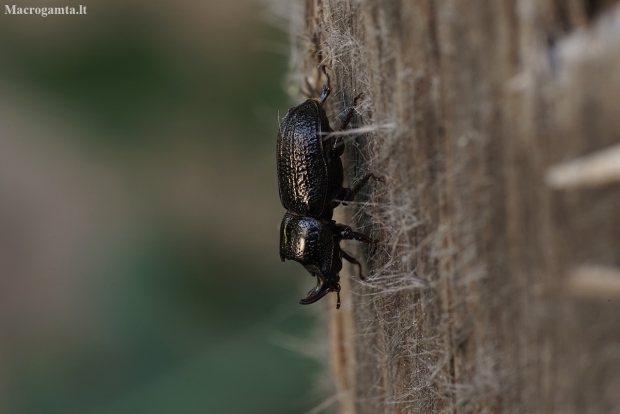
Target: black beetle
x=310 y=172
x=310 y=177
x=315 y=244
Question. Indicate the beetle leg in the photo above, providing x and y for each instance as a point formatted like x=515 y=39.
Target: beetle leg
x=338 y=294
x=327 y=88
x=345 y=255
x=338 y=147
x=347 y=121
x=347 y=234
x=348 y=194
x=351 y=112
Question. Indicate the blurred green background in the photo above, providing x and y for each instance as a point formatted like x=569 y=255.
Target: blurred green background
x=139 y=214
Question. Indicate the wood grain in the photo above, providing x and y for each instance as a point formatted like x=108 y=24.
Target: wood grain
x=469 y=106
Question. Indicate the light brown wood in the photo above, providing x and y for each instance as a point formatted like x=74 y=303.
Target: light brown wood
x=468 y=107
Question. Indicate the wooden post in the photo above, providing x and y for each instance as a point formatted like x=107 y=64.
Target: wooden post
x=495 y=288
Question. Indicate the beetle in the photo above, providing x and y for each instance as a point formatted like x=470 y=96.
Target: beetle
x=315 y=243
x=310 y=171
x=310 y=178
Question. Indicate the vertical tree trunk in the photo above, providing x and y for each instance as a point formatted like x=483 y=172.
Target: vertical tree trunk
x=496 y=285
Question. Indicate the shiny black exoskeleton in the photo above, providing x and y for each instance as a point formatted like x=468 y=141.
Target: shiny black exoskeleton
x=310 y=177
x=315 y=244
x=310 y=172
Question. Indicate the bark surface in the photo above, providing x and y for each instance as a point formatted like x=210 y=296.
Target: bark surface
x=493 y=123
